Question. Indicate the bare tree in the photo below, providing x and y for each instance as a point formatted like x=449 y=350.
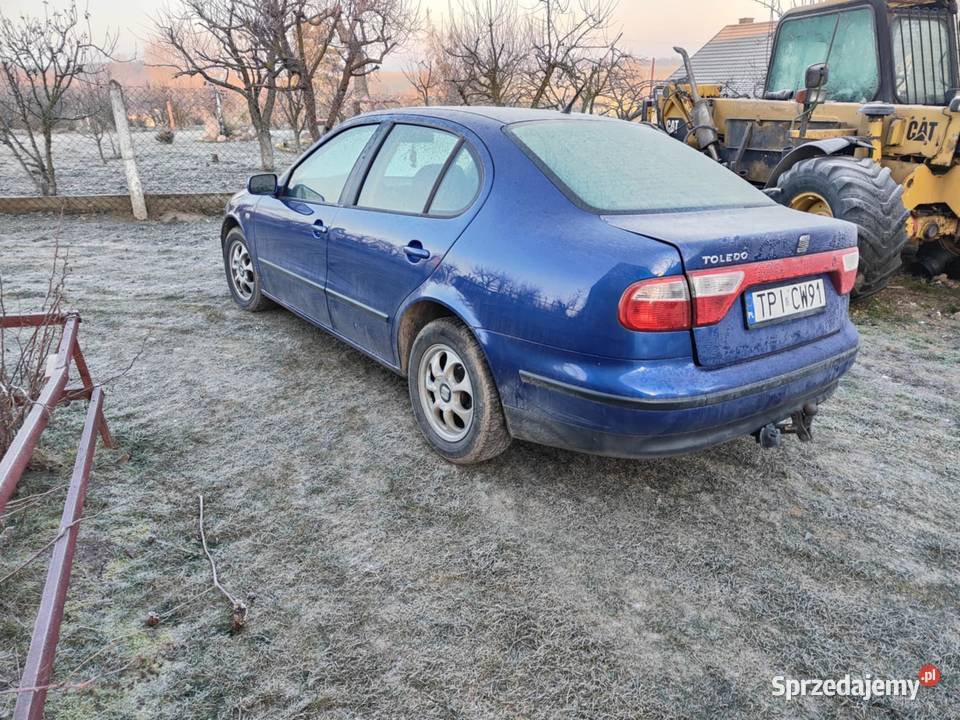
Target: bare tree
x=366 y=32
x=555 y=53
x=779 y=7
x=97 y=121
x=235 y=45
x=313 y=30
x=626 y=88
x=424 y=78
x=292 y=104
x=41 y=59
x=566 y=41
x=487 y=43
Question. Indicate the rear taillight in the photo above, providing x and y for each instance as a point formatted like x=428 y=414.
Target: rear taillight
x=848 y=276
x=667 y=304
x=659 y=304
x=713 y=295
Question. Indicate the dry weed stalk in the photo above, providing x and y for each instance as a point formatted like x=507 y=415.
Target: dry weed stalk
x=239 y=607
x=24 y=352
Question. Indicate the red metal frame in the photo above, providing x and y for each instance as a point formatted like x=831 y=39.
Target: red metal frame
x=54 y=392
x=46 y=631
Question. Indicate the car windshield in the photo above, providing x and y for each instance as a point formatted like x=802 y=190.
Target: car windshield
x=620 y=167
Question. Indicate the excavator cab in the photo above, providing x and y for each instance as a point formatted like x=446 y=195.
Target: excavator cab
x=902 y=53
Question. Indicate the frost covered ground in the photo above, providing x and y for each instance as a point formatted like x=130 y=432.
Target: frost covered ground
x=384 y=583
x=185 y=166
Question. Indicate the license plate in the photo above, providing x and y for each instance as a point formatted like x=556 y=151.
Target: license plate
x=777 y=303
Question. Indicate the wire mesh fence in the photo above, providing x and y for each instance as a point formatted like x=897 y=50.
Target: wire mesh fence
x=186 y=142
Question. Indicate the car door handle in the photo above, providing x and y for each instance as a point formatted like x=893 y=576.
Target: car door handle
x=319 y=229
x=416 y=252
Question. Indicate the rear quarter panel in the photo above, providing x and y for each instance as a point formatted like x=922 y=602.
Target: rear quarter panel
x=531 y=265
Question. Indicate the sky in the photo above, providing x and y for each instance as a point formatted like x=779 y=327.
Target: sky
x=650 y=28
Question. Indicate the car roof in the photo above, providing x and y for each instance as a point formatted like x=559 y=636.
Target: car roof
x=500 y=115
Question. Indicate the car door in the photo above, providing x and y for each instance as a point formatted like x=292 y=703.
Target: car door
x=292 y=228
x=409 y=210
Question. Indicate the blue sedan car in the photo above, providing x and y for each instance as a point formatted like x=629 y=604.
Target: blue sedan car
x=569 y=280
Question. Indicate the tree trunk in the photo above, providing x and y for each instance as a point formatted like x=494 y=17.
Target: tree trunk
x=266 y=148
x=99 y=140
x=261 y=124
x=221 y=123
x=310 y=107
x=49 y=175
x=336 y=104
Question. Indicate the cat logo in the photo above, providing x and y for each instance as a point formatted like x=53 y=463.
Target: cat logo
x=921 y=131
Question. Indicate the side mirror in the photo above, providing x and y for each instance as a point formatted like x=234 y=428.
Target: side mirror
x=816 y=76
x=264 y=184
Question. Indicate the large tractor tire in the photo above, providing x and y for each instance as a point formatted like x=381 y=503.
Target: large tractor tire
x=861 y=192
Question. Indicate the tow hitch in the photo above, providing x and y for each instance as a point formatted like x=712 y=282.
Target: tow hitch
x=800 y=424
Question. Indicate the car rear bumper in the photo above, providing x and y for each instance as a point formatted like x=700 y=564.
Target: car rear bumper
x=630 y=409
x=534 y=427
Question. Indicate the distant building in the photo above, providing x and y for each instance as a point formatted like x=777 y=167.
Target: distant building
x=735 y=58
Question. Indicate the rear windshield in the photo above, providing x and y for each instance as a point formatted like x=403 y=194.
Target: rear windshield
x=620 y=167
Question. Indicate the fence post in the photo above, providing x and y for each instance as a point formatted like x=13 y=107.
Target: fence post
x=126 y=151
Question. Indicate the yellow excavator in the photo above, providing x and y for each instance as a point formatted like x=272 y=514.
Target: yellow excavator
x=859 y=119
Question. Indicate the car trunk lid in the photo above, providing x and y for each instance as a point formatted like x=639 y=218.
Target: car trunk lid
x=768 y=248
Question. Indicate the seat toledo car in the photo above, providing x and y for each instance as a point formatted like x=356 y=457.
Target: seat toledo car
x=574 y=281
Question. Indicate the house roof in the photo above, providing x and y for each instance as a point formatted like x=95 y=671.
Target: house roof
x=736 y=57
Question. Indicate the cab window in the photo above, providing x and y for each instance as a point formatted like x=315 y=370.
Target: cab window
x=846 y=41
x=321 y=177
x=922 y=59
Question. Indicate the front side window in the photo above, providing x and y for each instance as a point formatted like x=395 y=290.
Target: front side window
x=922 y=58
x=846 y=41
x=618 y=167
x=321 y=177
x=406 y=169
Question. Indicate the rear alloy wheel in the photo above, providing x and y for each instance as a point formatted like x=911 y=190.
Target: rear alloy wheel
x=861 y=192
x=454 y=396
x=242 y=275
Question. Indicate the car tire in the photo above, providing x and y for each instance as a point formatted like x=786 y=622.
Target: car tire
x=448 y=376
x=242 y=276
x=861 y=192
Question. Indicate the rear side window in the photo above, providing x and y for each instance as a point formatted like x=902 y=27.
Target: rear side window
x=321 y=177
x=406 y=169
x=459 y=186
x=611 y=166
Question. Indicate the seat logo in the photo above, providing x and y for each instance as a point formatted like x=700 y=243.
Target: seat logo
x=803 y=244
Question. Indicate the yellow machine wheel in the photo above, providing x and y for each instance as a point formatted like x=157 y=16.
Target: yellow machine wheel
x=813 y=203
x=858 y=191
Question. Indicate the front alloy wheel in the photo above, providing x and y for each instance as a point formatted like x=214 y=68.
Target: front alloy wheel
x=242 y=278
x=241 y=267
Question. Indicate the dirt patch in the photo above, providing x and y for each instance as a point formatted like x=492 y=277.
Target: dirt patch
x=386 y=583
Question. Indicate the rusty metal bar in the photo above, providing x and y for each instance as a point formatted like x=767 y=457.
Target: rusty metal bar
x=25 y=321
x=46 y=630
x=15 y=460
